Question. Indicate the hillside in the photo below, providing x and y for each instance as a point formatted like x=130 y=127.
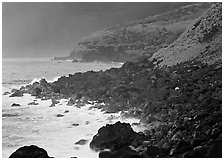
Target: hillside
x=198 y=42
x=176 y=93
x=140 y=38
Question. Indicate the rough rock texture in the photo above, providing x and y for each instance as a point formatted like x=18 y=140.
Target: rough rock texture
x=29 y=152
x=125 y=152
x=17 y=93
x=113 y=136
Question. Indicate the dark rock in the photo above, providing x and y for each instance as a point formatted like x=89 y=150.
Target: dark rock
x=105 y=154
x=196 y=142
x=36 y=91
x=199 y=151
x=75 y=124
x=6 y=93
x=113 y=136
x=29 y=152
x=215 y=133
x=59 y=115
x=66 y=111
x=189 y=154
x=81 y=142
x=152 y=152
x=32 y=103
x=215 y=150
x=10 y=115
x=15 y=105
x=167 y=146
x=181 y=147
x=185 y=149
x=17 y=93
x=125 y=152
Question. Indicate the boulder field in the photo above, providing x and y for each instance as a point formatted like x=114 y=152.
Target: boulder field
x=184 y=100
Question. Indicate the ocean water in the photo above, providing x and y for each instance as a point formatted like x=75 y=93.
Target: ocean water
x=39 y=125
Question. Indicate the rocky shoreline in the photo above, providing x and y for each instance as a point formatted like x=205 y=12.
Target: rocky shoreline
x=179 y=95
x=182 y=102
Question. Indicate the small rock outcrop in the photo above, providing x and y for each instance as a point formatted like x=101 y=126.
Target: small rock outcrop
x=15 y=105
x=30 y=152
x=81 y=142
x=33 y=103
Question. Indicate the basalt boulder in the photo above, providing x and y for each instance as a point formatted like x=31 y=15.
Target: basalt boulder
x=30 y=152
x=113 y=137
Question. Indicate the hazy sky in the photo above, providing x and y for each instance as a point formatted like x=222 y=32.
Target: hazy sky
x=53 y=29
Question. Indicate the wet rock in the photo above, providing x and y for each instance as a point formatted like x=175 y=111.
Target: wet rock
x=15 y=105
x=59 y=115
x=75 y=124
x=17 y=93
x=125 y=152
x=81 y=142
x=32 y=103
x=30 y=152
x=113 y=136
x=6 y=93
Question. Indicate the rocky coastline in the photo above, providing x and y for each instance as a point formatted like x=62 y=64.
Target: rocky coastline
x=182 y=101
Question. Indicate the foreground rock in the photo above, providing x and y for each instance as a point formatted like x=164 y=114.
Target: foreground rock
x=30 y=152
x=113 y=137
